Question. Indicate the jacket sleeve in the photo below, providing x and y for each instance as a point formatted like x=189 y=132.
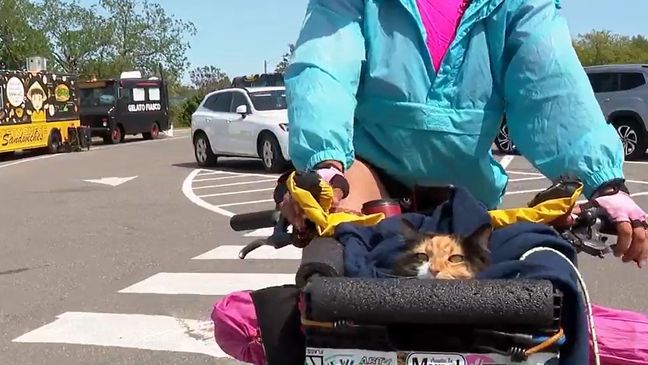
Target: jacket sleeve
x=552 y=114
x=322 y=81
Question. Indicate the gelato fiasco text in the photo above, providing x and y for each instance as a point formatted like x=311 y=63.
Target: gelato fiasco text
x=134 y=108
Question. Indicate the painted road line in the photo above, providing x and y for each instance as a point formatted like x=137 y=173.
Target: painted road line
x=235 y=192
x=235 y=184
x=637 y=162
x=29 y=159
x=638 y=182
x=230 y=252
x=93 y=148
x=523 y=173
x=134 y=331
x=188 y=192
x=528 y=179
x=263 y=232
x=226 y=177
x=525 y=191
x=209 y=173
x=643 y=193
x=207 y=283
x=506 y=161
x=247 y=203
x=245 y=173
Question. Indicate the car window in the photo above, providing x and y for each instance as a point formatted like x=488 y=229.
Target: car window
x=604 y=82
x=97 y=96
x=222 y=104
x=211 y=101
x=238 y=98
x=154 y=94
x=631 y=80
x=269 y=100
x=138 y=94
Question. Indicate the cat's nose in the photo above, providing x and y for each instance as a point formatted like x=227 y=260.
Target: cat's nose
x=434 y=273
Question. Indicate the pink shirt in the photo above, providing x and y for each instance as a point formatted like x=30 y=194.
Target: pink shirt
x=440 y=19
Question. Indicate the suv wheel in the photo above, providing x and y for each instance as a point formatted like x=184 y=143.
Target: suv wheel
x=270 y=154
x=632 y=137
x=503 y=142
x=203 y=152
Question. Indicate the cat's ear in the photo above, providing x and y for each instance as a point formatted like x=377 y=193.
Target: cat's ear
x=409 y=231
x=480 y=238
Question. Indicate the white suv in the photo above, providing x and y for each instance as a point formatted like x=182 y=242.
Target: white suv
x=242 y=122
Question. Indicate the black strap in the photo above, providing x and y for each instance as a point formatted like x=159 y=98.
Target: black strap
x=279 y=320
x=610 y=188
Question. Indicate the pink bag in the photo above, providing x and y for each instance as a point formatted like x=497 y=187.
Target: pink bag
x=622 y=336
x=236 y=328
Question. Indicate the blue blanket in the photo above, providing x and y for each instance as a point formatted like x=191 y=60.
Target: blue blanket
x=371 y=251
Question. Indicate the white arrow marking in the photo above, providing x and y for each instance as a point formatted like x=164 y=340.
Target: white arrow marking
x=112 y=181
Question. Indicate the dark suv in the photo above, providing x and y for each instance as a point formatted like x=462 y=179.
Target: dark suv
x=622 y=93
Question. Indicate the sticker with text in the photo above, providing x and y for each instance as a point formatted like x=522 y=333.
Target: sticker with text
x=326 y=356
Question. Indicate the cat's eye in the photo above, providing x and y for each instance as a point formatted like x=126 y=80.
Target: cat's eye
x=455 y=259
x=421 y=257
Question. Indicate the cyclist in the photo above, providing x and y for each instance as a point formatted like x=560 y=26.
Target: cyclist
x=391 y=94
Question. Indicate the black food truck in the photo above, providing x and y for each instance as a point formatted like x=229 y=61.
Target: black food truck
x=114 y=108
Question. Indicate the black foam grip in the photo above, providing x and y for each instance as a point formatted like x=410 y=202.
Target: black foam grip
x=256 y=220
x=322 y=256
x=434 y=302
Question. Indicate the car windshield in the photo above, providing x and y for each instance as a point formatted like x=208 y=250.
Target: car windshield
x=269 y=100
x=97 y=96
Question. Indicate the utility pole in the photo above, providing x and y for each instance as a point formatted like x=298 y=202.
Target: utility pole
x=265 y=66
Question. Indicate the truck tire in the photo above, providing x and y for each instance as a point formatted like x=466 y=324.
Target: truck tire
x=115 y=135
x=154 y=132
x=54 y=141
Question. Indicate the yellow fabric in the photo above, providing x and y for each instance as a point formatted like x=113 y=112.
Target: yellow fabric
x=544 y=212
x=318 y=211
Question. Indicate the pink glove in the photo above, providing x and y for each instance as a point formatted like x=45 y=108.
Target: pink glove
x=328 y=173
x=336 y=178
x=631 y=226
x=622 y=208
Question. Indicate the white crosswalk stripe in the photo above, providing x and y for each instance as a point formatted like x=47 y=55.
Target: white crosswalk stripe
x=135 y=331
x=148 y=331
x=165 y=333
x=207 y=283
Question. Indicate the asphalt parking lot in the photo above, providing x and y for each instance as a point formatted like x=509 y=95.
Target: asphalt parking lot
x=239 y=186
x=126 y=271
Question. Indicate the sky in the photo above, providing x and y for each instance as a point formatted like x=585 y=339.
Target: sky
x=238 y=35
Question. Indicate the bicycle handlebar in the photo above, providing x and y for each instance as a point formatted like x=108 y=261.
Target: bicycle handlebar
x=254 y=220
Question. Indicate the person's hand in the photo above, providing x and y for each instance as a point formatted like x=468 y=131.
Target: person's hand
x=293 y=212
x=631 y=226
x=295 y=215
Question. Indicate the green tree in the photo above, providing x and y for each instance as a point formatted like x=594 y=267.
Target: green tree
x=600 y=47
x=18 y=38
x=132 y=35
x=208 y=78
x=78 y=37
x=204 y=79
x=142 y=36
x=285 y=59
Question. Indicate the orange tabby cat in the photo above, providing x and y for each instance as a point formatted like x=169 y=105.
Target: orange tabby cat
x=443 y=256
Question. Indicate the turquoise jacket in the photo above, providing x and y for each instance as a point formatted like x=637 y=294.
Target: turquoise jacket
x=361 y=82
